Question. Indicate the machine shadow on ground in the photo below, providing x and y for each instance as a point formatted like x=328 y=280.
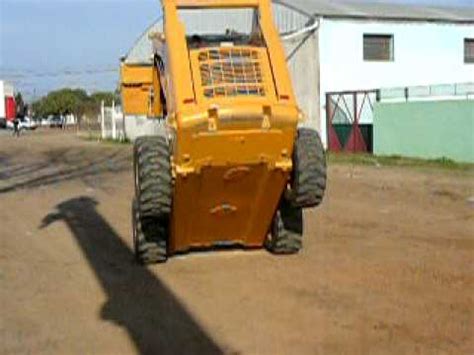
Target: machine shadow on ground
x=137 y=300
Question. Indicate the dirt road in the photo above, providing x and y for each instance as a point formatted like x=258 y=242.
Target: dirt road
x=387 y=266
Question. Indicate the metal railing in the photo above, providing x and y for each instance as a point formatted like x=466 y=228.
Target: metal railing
x=459 y=91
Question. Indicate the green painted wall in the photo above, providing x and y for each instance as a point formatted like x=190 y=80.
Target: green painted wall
x=428 y=130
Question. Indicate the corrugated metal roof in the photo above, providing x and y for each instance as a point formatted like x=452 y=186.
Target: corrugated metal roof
x=292 y=15
x=286 y=18
x=142 y=50
x=382 y=11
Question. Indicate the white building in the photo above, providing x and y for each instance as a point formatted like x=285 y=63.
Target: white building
x=367 y=47
x=339 y=47
x=7 y=102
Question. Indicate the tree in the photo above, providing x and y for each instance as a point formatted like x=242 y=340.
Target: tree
x=75 y=101
x=107 y=97
x=118 y=96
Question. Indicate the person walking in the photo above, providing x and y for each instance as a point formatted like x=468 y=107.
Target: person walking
x=16 y=127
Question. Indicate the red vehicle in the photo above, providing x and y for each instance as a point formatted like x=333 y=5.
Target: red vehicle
x=10 y=108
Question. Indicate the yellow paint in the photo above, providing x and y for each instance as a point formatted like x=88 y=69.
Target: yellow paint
x=140 y=90
x=232 y=153
x=136 y=83
x=214 y=3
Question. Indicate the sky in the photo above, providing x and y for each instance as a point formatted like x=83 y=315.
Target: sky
x=49 y=44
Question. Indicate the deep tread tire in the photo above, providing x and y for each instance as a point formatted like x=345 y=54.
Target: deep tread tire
x=153 y=191
x=286 y=235
x=308 y=182
x=148 y=250
x=153 y=182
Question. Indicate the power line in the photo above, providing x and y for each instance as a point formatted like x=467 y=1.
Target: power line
x=28 y=74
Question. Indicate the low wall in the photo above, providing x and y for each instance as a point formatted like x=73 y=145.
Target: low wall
x=137 y=126
x=430 y=130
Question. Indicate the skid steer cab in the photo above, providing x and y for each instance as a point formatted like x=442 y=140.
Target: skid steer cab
x=230 y=167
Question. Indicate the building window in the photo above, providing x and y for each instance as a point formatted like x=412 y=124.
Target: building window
x=378 y=48
x=469 y=50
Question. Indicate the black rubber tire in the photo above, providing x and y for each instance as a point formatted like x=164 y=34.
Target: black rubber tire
x=153 y=191
x=286 y=234
x=308 y=181
x=147 y=250
x=153 y=181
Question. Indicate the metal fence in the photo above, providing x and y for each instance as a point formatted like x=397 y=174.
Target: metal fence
x=461 y=91
x=112 y=123
x=349 y=117
x=350 y=114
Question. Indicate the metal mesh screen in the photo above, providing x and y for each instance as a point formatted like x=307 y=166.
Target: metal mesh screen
x=231 y=72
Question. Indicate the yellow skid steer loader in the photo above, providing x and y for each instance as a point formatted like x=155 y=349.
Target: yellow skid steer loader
x=231 y=167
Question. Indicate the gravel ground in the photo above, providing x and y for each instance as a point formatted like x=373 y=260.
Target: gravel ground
x=387 y=266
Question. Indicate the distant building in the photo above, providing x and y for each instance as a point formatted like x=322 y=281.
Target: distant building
x=7 y=103
x=344 y=50
x=363 y=48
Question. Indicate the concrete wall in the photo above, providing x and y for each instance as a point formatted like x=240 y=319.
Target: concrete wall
x=137 y=126
x=424 y=54
x=304 y=70
x=425 y=129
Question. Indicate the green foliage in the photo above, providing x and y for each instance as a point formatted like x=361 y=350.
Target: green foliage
x=395 y=160
x=107 y=97
x=75 y=101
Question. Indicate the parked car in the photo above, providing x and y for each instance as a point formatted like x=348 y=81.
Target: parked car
x=51 y=121
x=28 y=123
x=56 y=122
x=25 y=123
x=44 y=122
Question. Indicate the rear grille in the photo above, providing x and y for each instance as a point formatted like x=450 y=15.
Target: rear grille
x=228 y=72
